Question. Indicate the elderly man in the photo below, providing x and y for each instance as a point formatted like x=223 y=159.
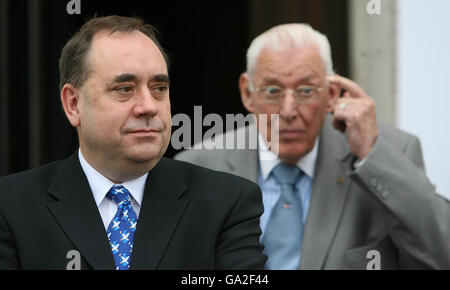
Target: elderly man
x=116 y=203
x=339 y=192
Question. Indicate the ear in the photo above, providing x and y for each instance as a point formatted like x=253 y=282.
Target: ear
x=246 y=94
x=70 y=97
x=333 y=95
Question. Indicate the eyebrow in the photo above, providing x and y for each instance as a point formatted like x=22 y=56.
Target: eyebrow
x=270 y=80
x=127 y=77
x=161 y=78
x=302 y=80
x=307 y=78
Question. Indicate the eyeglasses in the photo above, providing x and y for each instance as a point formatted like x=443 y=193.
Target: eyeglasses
x=274 y=94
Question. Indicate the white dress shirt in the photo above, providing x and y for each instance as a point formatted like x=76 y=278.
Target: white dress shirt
x=100 y=185
x=307 y=163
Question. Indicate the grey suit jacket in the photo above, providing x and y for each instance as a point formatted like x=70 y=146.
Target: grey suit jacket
x=387 y=204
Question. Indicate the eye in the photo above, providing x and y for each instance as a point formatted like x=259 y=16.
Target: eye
x=125 y=89
x=305 y=91
x=160 y=89
x=272 y=91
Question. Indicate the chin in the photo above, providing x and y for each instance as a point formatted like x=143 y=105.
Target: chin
x=144 y=151
x=143 y=156
x=293 y=152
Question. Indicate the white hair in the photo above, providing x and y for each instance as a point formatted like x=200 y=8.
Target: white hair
x=285 y=36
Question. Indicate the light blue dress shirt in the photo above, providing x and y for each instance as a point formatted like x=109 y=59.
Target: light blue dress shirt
x=100 y=185
x=271 y=190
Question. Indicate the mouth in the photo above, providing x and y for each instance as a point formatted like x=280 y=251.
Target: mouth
x=144 y=133
x=291 y=134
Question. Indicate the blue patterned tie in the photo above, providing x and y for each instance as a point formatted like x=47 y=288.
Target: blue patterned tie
x=122 y=227
x=283 y=235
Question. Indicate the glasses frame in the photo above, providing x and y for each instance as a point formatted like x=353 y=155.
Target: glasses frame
x=283 y=91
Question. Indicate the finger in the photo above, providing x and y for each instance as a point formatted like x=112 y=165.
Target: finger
x=345 y=103
x=341 y=113
x=350 y=86
x=339 y=124
x=346 y=95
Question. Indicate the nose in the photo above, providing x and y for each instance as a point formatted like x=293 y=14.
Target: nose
x=288 y=110
x=146 y=105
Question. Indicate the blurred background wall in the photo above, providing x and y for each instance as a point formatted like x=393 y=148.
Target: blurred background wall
x=423 y=98
x=401 y=58
x=398 y=54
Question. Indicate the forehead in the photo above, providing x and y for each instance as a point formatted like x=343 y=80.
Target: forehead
x=120 y=52
x=290 y=63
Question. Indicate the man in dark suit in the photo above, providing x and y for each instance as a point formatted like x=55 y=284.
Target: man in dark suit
x=358 y=200
x=117 y=203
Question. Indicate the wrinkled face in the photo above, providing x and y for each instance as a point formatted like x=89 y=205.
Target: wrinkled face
x=124 y=108
x=299 y=124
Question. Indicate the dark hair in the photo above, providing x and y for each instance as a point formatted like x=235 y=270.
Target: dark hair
x=72 y=63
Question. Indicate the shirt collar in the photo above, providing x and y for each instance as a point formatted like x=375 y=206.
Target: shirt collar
x=100 y=185
x=268 y=160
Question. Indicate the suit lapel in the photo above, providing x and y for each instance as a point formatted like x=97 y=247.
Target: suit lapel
x=244 y=162
x=160 y=212
x=77 y=214
x=328 y=197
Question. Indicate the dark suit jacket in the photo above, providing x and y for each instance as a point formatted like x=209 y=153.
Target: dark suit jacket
x=191 y=218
